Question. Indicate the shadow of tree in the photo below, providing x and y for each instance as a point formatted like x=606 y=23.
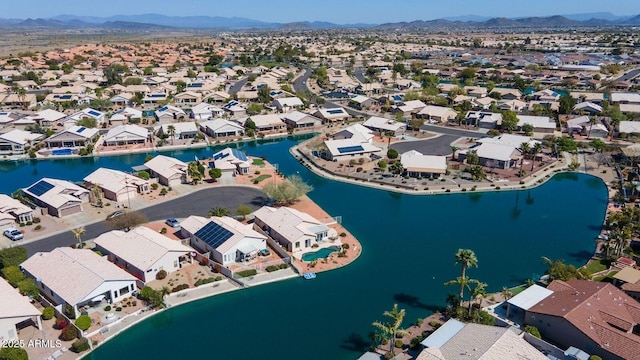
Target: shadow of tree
x=356 y=342
x=414 y=302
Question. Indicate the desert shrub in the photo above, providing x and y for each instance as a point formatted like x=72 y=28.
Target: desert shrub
x=13 y=275
x=69 y=333
x=398 y=344
x=163 y=230
x=37 y=227
x=107 y=308
x=36 y=220
x=415 y=343
x=345 y=246
x=118 y=308
x=61 y=323
x=180 y=288
x=245 y=273
x=13 y=353
x=48 y=313
x=154 y=186
x=533 y=331
x=343 y=234
x=161 y=275
x=80 y=345
x=272 y=268
x=204 y=281
x=83 y=322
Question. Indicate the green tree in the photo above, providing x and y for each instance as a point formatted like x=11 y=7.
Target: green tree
x=254 y=109
x=194 y=172
x=598 y=145
x=218 y=212
x=127 y=221
x=12 y=256
x=382 y=164
x=180 y=86
x=472 y=157
x=287 y=191
x=171 y=131
x=78 y=233
x=264 y=94
x=87 y=122
x=477 y=172
x=468 y=74
x=566 y=104
x=558 y=270
x=535 y=150
x=509 y=121
x=13 y=353
x=392 y=154
x=527 y=129
x=28 y=287
x=463 y=283
x=533 y=331
x=525 y=149
x=143 y=174
x=390 y=328
x=215 y=174
x=151 y=296
x=13 y=275
x=132 y=81
x=244 y=210
x=466 y=258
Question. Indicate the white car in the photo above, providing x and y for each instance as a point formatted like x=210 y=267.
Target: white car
x=13 y=234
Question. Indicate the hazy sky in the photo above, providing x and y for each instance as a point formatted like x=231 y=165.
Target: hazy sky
x=337 y=11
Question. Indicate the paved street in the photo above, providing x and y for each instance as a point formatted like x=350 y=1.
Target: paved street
x=453 y=131
x=197 y=203
x=237 y=86
x=440 y=145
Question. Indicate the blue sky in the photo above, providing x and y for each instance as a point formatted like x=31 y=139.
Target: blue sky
x=337 y=11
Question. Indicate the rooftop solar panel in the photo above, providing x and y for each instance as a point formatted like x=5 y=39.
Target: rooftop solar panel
x=195 y=85
x=40 y=188
x=94 y=113
x=349 y=149
x=334 y=111
x=164 y=108
x=220 y=155
x=239 y=154
x=82 y=128
x=213 y=234
x=157 y=95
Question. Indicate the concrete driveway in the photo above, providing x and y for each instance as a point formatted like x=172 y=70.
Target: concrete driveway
x=440 y=145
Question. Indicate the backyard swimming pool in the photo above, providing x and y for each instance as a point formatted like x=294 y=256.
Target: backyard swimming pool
x=320 y=254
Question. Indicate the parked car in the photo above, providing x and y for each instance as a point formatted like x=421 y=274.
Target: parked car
x=173 y=223
x=115 y=214
x=13 y=234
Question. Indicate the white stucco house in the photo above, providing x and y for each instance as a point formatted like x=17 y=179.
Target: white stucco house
x=16 y=312
x=291 y=228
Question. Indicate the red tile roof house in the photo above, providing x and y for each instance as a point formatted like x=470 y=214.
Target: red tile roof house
x=595 y=317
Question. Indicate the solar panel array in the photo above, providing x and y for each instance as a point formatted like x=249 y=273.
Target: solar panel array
x=40 y=188
x=220 y=155
x=164 y=108
x=239 y=154
x=334 y=111
x=349 y=149
x=94 y=113
x=213 y=234
x=82 y=128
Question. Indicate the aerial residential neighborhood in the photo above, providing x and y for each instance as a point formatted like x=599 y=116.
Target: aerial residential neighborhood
x=420 y=183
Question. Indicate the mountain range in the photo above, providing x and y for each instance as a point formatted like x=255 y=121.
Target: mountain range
x=159 y=22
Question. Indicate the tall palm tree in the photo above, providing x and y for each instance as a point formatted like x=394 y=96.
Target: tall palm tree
x=391 y=328
x=506 y=293
x=534 y=151
x=592 y=121
x=171 y=131
x=78 y=233
x=478 y=292
x=525 y=149
x=462 y=282
x=467 y=259
x=453 y=152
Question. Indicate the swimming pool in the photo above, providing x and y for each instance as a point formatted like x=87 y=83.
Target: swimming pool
x=62 y=151
x=320 y=254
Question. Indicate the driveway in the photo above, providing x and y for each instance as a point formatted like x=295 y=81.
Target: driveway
x=197 y=203
x=440 y=145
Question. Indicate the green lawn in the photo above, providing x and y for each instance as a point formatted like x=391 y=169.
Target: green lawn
x=258 y=162
x=518 y=289
x=260 y=178
x=594 y=266
x=608 y=278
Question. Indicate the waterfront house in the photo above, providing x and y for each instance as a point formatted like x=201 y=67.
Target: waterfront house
x=332 y=115
x=169 y=113
x=126 y=135
x=221 y=128
x=168 y=170
x=73 y=278
x=293 y=229
x=234 y=108
x=132 y=115
x=16 y=312
x=14 y=142
x=75 y=136
x=204 y=111
x=143 y=252
x=594 y=316
x=582 y=125
x=182 y=130
x=285 y=104
x=384 y=125
x=300 y=120
x=347 y=149
x=48 y=117
x=356 y=132
x=59 y=197
x=426 y=166
x=13 y=211
x=457 y=340
x=116 y=185
x=268 y=122
x=231 y=160
x=628 y=280
x=500 y=152
x=117 y=119
x=225 y=239
x=507 y=93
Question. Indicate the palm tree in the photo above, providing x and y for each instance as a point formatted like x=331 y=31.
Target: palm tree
x=391 y=328
x=506 y=293
x=534 y=151
x=78 y=233
x=462 y=282
x=477 y=293
x=453 y=152
x=592 y=121
x=171 y=131
x=525 y=149
x=466 y=258
x=218 y=212
x=165 y=291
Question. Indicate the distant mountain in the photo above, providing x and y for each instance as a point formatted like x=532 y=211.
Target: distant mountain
x=597 y=15
x=501 y=22
x=467 y=18
x=207 y=22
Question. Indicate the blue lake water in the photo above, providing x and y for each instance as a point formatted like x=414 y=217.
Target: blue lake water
x=408 y=246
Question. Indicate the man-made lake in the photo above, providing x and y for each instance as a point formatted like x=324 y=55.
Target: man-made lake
x=408 y=246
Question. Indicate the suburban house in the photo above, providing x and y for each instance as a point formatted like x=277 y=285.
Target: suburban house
x=630 y=108
x=426 y=166
x=221 y=128
x=13 y=211
x=347 y=149
x=169 y=171
x=188 y=97
x=181 y=130
x=541 y=124
x=507 y=93
x=75 y=136
x=15 y=141
x=593 y=316
x=287 y=103
x=204 y=111
x=16 y=312
x=293 y=229
x=169 y=113
x=26 y=101
x=300 y=120
x=116 y=185
x=332 y=115
x=225 y=239
x=500 y=152
x=438 y=114
x=628 y=127
x=90 y=113
x=361 y=102
x=143 y=252
x=117 y=119
x=234 y=108
x=483 y=120
x=457 y=340
x=73 y=278
x=356 y=132
x=265 y=122
x=628 y=280
x=59 y=197
x=410 y=107
x=48 y=117
x=384 y=125
x=132 y=115
x=625 y=98
x=126 y=135
x=231 y=160
x=589 y=107
x=583 y=125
